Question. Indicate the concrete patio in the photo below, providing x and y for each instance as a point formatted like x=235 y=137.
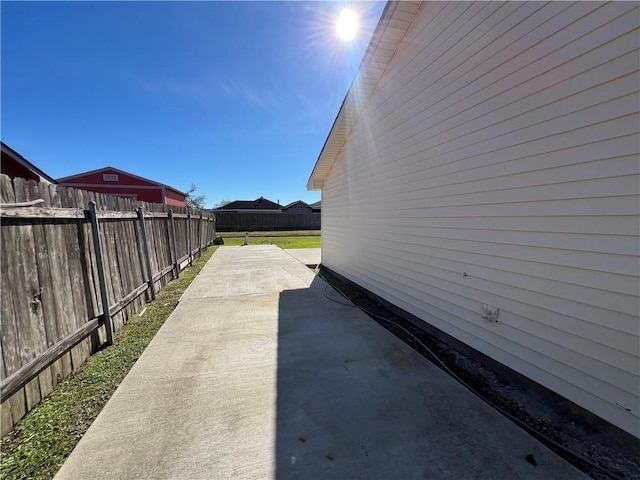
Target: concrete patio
x=258 y=375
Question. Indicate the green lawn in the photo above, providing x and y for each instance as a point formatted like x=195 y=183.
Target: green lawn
x=289 y=233
x=282 y=242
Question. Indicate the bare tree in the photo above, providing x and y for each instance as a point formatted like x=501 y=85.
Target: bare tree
x=221 y=203
x=195 y=201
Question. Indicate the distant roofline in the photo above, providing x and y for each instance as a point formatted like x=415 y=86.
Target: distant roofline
x=98 y=170
x=297 y=201
x=222 y=207
x=246 y=210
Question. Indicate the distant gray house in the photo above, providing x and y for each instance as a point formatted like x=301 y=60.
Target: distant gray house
x=298 y=207
x=259 y=204
x=484 y=166
x=317 y=206
x=263 y=214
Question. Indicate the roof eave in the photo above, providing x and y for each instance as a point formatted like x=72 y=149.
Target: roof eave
x=387 y=36
x=314 y=185
x=26 y=163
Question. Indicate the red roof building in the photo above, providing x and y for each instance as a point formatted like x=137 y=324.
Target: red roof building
x=113 y=181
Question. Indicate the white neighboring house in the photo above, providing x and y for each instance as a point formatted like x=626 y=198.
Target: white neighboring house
x=488 y=154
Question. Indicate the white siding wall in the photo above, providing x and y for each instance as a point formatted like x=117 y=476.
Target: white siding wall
x=502 y=141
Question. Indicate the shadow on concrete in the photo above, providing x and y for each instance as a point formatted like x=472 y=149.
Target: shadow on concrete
x=353 y=401
x=347 y=406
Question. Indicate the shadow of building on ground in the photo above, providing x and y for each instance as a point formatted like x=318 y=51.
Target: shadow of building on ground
x=353 y=401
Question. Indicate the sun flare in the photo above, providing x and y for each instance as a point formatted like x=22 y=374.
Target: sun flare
x=347 y=25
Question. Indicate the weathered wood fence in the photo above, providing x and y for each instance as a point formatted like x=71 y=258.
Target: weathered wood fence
x=74 y=266
x=240 y=221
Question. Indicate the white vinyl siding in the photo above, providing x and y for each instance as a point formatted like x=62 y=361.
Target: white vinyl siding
x=502 y=142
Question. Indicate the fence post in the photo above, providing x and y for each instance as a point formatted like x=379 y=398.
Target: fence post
x=172 y=230
x=97 y=243
x=143 y=228
x=200 y=237
x=206 y=232
x=189 y=239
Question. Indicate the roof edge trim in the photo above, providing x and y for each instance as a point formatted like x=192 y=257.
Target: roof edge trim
x=326 y=159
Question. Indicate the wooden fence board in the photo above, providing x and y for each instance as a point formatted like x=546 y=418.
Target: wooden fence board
x=6 y=190
x=155 y=249
x=93 y=285
x=90 y=271
x=25 y=307
x=45 y=194
x=119 y=288
x=131 y=269
x=184 y=221
x=6 y=421
x=10 y=342
x=62 y=288
x=50 y=305
x=164 y=248
x=49 y=280
x=120 y=265
x=151 y=239
x=27 y=294
x=110 y=215
x=15 y=409
x=69 y=243
x=200 y=236
x=144 y=275
x=48 y=376
x=77 y=270
x=47 y=381
x=87 y=263
x=41 y=212
x=137 y=267
x=111 y=268
x=134 y=278
x=133 y=253
x=16 y=405
x=45 y=378
x=98 y=337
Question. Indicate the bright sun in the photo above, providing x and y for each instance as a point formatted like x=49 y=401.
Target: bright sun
x=347 y=25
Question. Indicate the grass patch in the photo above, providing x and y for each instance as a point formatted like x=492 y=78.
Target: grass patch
x=292 y=233
x=39 y=444
x=282 y=242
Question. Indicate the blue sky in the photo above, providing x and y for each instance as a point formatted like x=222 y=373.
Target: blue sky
x=236 y=97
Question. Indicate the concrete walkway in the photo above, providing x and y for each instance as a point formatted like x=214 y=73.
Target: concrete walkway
x=257 y=375
x=308 y=256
